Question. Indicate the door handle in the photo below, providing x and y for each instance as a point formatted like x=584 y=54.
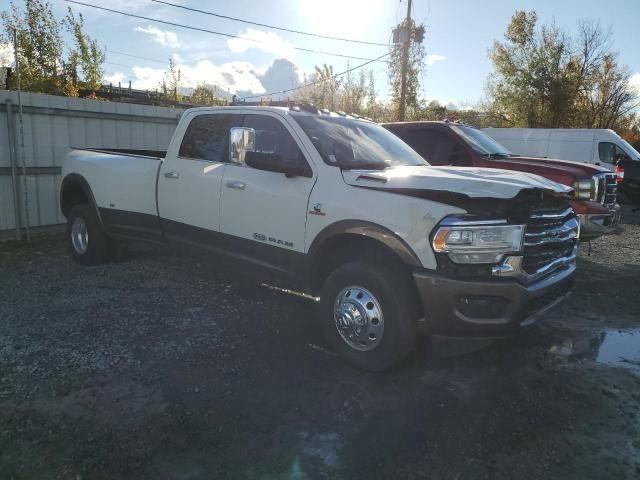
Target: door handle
x=171 y=175
x=236 y=184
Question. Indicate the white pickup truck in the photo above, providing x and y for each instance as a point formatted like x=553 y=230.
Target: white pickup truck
x=342 y=209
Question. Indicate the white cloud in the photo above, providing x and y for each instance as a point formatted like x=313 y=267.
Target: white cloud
x=240 y=78
x=433 y=58
x=269 y=42
x=116 y=78
x=232 y=77
x=635 y=82
x=165 y=38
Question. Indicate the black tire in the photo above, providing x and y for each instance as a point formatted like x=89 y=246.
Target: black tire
x=396 y=296
x=96 y=244
x=117 y=249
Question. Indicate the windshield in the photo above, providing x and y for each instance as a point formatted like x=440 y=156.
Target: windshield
x=350 y=143
x=632 y=152
x=480 y=141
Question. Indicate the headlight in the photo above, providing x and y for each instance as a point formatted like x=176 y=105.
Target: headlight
x=472 y=242
x=585 y=189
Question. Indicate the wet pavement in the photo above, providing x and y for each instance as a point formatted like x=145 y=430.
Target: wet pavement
x=162 y=367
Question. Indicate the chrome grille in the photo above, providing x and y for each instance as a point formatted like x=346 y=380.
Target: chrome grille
x=606 y=189
x=550 y=235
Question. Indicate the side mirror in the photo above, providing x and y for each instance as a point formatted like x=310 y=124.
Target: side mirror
x=271 y=162
x=242 y=140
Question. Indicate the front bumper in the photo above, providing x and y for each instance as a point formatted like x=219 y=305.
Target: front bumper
x=489 y=308
x=596 y=224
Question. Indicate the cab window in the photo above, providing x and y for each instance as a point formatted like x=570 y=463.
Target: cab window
x=436 y=147
x=273 y=138
x=610 y=152
x=206 y=138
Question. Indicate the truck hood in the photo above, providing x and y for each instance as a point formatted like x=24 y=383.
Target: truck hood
x=466 y=181
x=562 y=171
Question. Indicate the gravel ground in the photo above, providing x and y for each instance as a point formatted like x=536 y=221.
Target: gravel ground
x=161 y=367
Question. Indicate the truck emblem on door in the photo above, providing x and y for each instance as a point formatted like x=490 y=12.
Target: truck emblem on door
x=317 y=210
x=277 y=241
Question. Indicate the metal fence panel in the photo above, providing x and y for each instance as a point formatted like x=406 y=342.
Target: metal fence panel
x=54 y=125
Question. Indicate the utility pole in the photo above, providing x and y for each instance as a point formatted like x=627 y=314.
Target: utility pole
x=21 y=126
x=405 y=63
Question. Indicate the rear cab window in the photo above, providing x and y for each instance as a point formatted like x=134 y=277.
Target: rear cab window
x=207 y=138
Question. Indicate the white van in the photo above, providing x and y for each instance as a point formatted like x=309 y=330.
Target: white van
x=598 y=146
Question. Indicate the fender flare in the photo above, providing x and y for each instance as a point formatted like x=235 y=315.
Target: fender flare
x=84 y=185
x=369 y=230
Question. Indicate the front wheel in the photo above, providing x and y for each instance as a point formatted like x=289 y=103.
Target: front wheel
x=369 y=314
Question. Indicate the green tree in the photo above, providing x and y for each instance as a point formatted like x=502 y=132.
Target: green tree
x=323 y=89
x=171 y=85
x=546 y=78
x=39 y=46
x=86 y=55
x=415 y=67
x=206 y=96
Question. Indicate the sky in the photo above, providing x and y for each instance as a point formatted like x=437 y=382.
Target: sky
x=458 y=37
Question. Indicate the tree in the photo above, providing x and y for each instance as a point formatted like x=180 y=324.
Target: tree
x=546 y=78
x=39 y=46
x=372 y=101
x=353 y=92
x=323 y=89
x=206 y=96
x=171 y=84
x=86 y=55
x=415 y=67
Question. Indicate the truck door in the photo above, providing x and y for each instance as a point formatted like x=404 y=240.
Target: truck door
x=264 y=213
x=190 y=179
x=606 y=150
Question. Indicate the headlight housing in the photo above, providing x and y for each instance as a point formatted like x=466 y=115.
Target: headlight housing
x=475 y=241
x=585 y=189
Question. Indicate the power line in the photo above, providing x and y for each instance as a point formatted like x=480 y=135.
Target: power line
x=226 y=17
x=317 y=81
x=138 y=56
x=228 y=35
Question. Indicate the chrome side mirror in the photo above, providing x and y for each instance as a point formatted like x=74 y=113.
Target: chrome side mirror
x=241 y=141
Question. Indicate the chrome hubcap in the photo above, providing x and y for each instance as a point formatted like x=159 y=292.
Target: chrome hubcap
x=79 y=236
x=358 y=318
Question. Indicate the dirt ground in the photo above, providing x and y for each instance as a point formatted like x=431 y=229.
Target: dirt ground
x=160 y=367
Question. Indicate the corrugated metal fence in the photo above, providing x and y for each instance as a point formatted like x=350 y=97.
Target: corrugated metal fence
x=54 y=125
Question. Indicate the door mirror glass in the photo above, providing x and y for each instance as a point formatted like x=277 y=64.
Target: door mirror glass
x=241 y=141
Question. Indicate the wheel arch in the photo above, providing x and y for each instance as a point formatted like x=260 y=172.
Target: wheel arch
x=75 y=190
x=348 y=239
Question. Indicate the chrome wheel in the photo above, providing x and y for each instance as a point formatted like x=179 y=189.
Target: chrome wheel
x=359 y=318
x=79 y=236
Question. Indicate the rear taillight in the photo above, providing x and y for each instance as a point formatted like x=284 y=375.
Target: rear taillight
x=619 y=171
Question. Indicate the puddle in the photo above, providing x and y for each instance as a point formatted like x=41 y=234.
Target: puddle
x=621 y=348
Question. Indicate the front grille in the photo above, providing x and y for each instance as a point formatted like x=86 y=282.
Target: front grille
x=606 y=189
x=549 y=236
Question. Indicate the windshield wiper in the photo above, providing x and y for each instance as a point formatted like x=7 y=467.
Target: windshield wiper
x=495 y=155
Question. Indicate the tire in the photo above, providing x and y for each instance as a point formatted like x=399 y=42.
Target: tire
x=385 y=311
x=87 y=240
x=117 y=249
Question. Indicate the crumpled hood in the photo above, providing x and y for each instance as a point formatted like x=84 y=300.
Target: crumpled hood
x=468 y=181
